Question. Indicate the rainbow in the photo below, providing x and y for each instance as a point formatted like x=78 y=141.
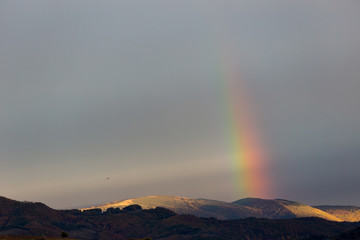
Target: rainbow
x=248 y=161
x=246 y=152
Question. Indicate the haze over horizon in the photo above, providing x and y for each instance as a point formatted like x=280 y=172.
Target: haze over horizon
x=104 y=101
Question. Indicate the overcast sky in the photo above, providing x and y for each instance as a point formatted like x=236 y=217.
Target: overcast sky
x=130 y=90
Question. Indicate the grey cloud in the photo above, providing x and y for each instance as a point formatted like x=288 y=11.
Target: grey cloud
x=89 y=87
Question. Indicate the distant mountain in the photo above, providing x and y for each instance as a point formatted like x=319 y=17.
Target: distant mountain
x=283 y=209
x=133 y=222
x=243 y=208
x=346 y=213
x=183 y=205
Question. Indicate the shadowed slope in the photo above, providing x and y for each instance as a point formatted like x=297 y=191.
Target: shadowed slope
x=12 y=211
x=24 y=217
x=350 y=235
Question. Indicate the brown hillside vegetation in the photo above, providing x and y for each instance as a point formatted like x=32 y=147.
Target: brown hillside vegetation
x=350 y=235
x=31 y=238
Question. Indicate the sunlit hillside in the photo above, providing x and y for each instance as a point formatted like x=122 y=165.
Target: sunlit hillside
x=183 y=205
x=248 y=207
x=347 y=213
x=282 y=209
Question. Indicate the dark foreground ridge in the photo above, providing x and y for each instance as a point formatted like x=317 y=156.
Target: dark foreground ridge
x=36 y=219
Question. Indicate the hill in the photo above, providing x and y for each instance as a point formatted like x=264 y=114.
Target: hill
x=243 y=208
x=182 y=205
x=133 y=222
x=16 y=218
x=346 y=213
x=283 y=209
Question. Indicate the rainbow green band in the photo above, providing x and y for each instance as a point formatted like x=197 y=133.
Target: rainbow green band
x=247 y=154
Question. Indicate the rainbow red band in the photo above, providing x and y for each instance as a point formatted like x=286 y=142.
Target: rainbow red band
x=249 y=163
